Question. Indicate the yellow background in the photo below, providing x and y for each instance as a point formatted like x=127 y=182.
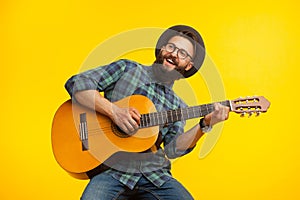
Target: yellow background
x=254 y=45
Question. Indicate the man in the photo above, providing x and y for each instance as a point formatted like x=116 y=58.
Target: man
x=179 y=54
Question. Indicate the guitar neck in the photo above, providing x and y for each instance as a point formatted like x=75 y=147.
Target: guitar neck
x=170 y=116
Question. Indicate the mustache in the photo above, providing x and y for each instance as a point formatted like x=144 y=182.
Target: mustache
x=160 y=59
x=172 y=58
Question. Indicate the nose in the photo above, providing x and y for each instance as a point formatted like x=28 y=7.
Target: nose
x=175 y=52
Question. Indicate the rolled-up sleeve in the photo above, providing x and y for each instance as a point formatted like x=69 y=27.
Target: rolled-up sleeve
x=79 y=82
x=99 y=78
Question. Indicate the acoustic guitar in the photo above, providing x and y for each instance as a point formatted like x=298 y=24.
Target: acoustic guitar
x=83 y=139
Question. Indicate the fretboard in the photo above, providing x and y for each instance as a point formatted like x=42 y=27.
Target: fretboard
x=170 y=116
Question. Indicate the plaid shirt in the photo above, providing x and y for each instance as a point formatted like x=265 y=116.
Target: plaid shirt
x=124 y=78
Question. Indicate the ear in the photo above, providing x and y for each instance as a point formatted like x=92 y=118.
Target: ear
x=189 y=66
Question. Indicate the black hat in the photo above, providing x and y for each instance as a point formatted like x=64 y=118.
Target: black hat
x=192 y=35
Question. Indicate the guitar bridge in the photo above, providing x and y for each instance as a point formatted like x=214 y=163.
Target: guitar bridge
x=83 y=132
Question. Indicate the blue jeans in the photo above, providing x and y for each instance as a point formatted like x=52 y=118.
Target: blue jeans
x=105 y=187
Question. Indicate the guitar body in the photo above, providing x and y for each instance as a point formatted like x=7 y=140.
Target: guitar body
x=83 y=139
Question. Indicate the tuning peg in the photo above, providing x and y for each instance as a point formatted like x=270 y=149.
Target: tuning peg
x=240 y=100
x=254 y=98
x=243 y=114
x=248 y=97
x=250 y=114
x=257 y=112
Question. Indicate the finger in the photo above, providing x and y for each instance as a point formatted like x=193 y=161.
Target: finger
x=135 y=115
x=225 y=111
x=217 y=107
x=133 y=123
x=224 y=115
x=219 y=113
x=124 y=128
x=135 y=111
x=131 y=128
x=136 y=118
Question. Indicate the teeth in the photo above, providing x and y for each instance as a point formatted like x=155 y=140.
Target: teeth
x=170 y=61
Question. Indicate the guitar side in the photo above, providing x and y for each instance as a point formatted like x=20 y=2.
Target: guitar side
x=77 y=156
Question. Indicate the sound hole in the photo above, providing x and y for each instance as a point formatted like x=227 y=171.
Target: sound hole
x=119 y=132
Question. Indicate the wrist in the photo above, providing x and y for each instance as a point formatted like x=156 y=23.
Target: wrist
x=204 y=125
x=207 y=120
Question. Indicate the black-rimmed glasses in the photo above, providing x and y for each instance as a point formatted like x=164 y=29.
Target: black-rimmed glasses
x=181 y=53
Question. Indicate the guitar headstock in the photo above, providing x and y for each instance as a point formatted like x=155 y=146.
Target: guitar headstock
x=250 y=105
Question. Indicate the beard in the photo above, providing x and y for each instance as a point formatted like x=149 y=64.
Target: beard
x=163 y=73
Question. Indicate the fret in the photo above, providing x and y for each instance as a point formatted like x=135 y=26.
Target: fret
x=142 y=122
x=176 y=114
x=169 y=117
x=147 y=118
x=193 y=112
x=179 y=115
x=188 y=113
x=182 y=113
x=160 y=118
x=156 y=121
x=152 y=121
x=207 y=111
x=198 y=113
x=165 y=115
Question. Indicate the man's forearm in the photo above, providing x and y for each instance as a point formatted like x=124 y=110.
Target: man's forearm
x=94 y=100
x=189 y=139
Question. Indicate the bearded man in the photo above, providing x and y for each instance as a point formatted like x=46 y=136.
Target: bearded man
x=179 y=53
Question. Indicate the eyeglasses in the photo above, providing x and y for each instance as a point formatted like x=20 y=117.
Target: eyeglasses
x=181 y=53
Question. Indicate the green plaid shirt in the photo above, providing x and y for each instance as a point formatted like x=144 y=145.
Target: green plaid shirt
x=124 y=78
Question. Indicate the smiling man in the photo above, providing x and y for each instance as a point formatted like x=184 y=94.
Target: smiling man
x=146 y=175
